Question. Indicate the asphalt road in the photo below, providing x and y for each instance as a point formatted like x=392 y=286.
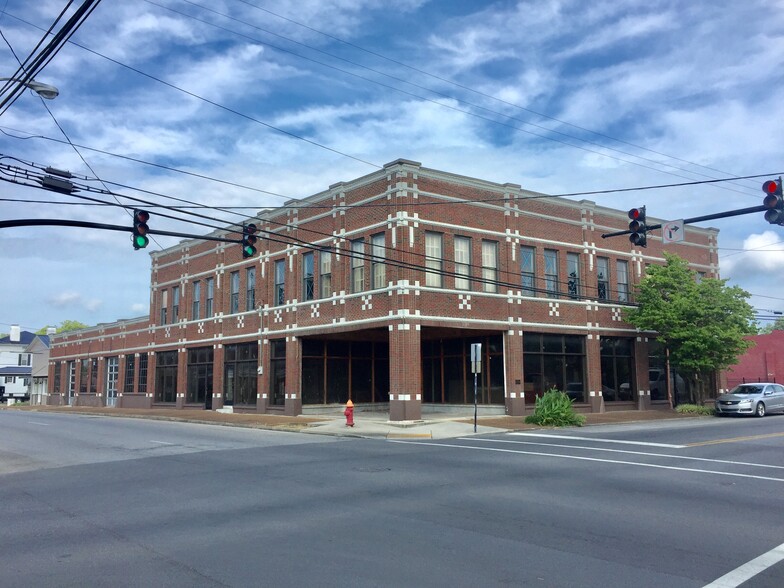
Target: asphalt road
x=96 y=501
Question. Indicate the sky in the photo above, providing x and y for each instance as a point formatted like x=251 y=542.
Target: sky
x=256 y=102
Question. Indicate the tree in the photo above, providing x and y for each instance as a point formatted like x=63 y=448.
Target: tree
x=702 y=324
x=777 y=325
x=66 y=325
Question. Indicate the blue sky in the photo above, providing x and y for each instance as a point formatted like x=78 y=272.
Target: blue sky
x=558 y=96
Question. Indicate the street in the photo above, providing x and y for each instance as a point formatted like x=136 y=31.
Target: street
x=97 y=501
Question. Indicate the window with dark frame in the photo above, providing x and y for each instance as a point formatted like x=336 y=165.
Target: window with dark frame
x=357 y=265
x=528 y=270
x=250 y=288
x=573 y=274
x=308 y=274
x=166 y=376
x=434 y=259
x=57 y=377
x=462 y=263
x=622 y=275
x=196 y=302
x=325 y=274
x=378 y=264
x=280 y=282
x=143 y=361
x=210 y=298
x=130 y=368
x=490 y=266
x=234 y=301
x=175 y=304
x=551 y=272
x=603 y=278
x=241 y=362
x=164 y=305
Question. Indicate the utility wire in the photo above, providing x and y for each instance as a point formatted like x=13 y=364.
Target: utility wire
x=293 y=135
x=423 y=98
x=47 y=54
x=468 y=88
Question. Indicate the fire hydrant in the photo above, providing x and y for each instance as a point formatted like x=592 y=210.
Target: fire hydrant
x=349 y=412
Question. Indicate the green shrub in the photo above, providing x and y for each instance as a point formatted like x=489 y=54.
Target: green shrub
x=694 y=409
x=554 y=409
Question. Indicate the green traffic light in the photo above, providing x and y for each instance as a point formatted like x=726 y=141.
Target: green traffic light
x=248 y=251
x=140 y=241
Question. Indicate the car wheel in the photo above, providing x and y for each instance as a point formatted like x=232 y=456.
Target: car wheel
x=760 y=411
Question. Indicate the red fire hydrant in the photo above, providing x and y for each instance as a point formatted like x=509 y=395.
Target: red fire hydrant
x=349 y=412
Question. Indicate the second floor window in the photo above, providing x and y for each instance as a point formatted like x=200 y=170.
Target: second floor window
x=573 y=273
x=551 y=272
x=490 y=265
x=602 y=278
x=308 y=292
x=462 y=263
x=175 y=304
x=164 y=306
x=433 y=259
x=325 y=274
x=357 y=265
x=280 y=282
x=250 y=288
x=622 y=273
x=196 y=301
x=209 y=309
x=378 y=265
x=234 y=302
x=528 y=270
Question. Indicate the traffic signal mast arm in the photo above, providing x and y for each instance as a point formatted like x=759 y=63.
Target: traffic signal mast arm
x=696 y=219
x=88 y=225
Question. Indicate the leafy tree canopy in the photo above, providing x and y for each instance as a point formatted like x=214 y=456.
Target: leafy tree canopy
x=64 y=326
x=777 y=325
x=702 y=323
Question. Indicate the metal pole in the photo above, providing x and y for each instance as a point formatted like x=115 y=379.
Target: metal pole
x=474 y=402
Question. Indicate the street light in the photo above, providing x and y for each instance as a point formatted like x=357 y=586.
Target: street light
x=43 y=90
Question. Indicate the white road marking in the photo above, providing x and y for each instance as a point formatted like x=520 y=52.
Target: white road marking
x=595 y=459
x=37 y=423
x=667 y=455
x=596 y=440
x=161 y=442
x=750 y=569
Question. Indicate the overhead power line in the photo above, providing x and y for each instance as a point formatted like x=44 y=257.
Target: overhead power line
x=436 y=92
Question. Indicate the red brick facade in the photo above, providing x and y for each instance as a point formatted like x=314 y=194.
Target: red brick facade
x=381 y=328
x=762 y=363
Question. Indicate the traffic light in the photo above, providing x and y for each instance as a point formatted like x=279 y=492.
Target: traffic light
x=774 y=202
x=637 y=227
x=140 y=229
x=248 y=240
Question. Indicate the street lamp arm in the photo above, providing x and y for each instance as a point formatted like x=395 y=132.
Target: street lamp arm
x=43 y=90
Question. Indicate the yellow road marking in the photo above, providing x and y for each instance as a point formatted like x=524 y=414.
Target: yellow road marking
x=410 y=436
x=735 y=439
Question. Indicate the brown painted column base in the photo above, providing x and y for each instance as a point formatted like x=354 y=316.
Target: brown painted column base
x=597 y=402
x=262 y=402
x=644 y=400
x=515 y=404
x=293 y=406
x=405 y=407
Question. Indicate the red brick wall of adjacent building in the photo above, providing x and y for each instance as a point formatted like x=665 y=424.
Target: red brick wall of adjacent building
x=762 y=363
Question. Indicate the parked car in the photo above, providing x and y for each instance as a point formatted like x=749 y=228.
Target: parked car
x=757 y=399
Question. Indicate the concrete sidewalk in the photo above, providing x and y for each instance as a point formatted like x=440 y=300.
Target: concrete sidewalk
x=367 y=424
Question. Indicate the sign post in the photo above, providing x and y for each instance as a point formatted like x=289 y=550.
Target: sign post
x=476 y=368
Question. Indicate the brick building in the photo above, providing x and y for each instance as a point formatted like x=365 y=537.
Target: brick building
x=375 y=290
x=764 y=362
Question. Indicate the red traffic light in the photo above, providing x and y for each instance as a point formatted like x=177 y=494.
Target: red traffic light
x=635 y=213
x=771 y=187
